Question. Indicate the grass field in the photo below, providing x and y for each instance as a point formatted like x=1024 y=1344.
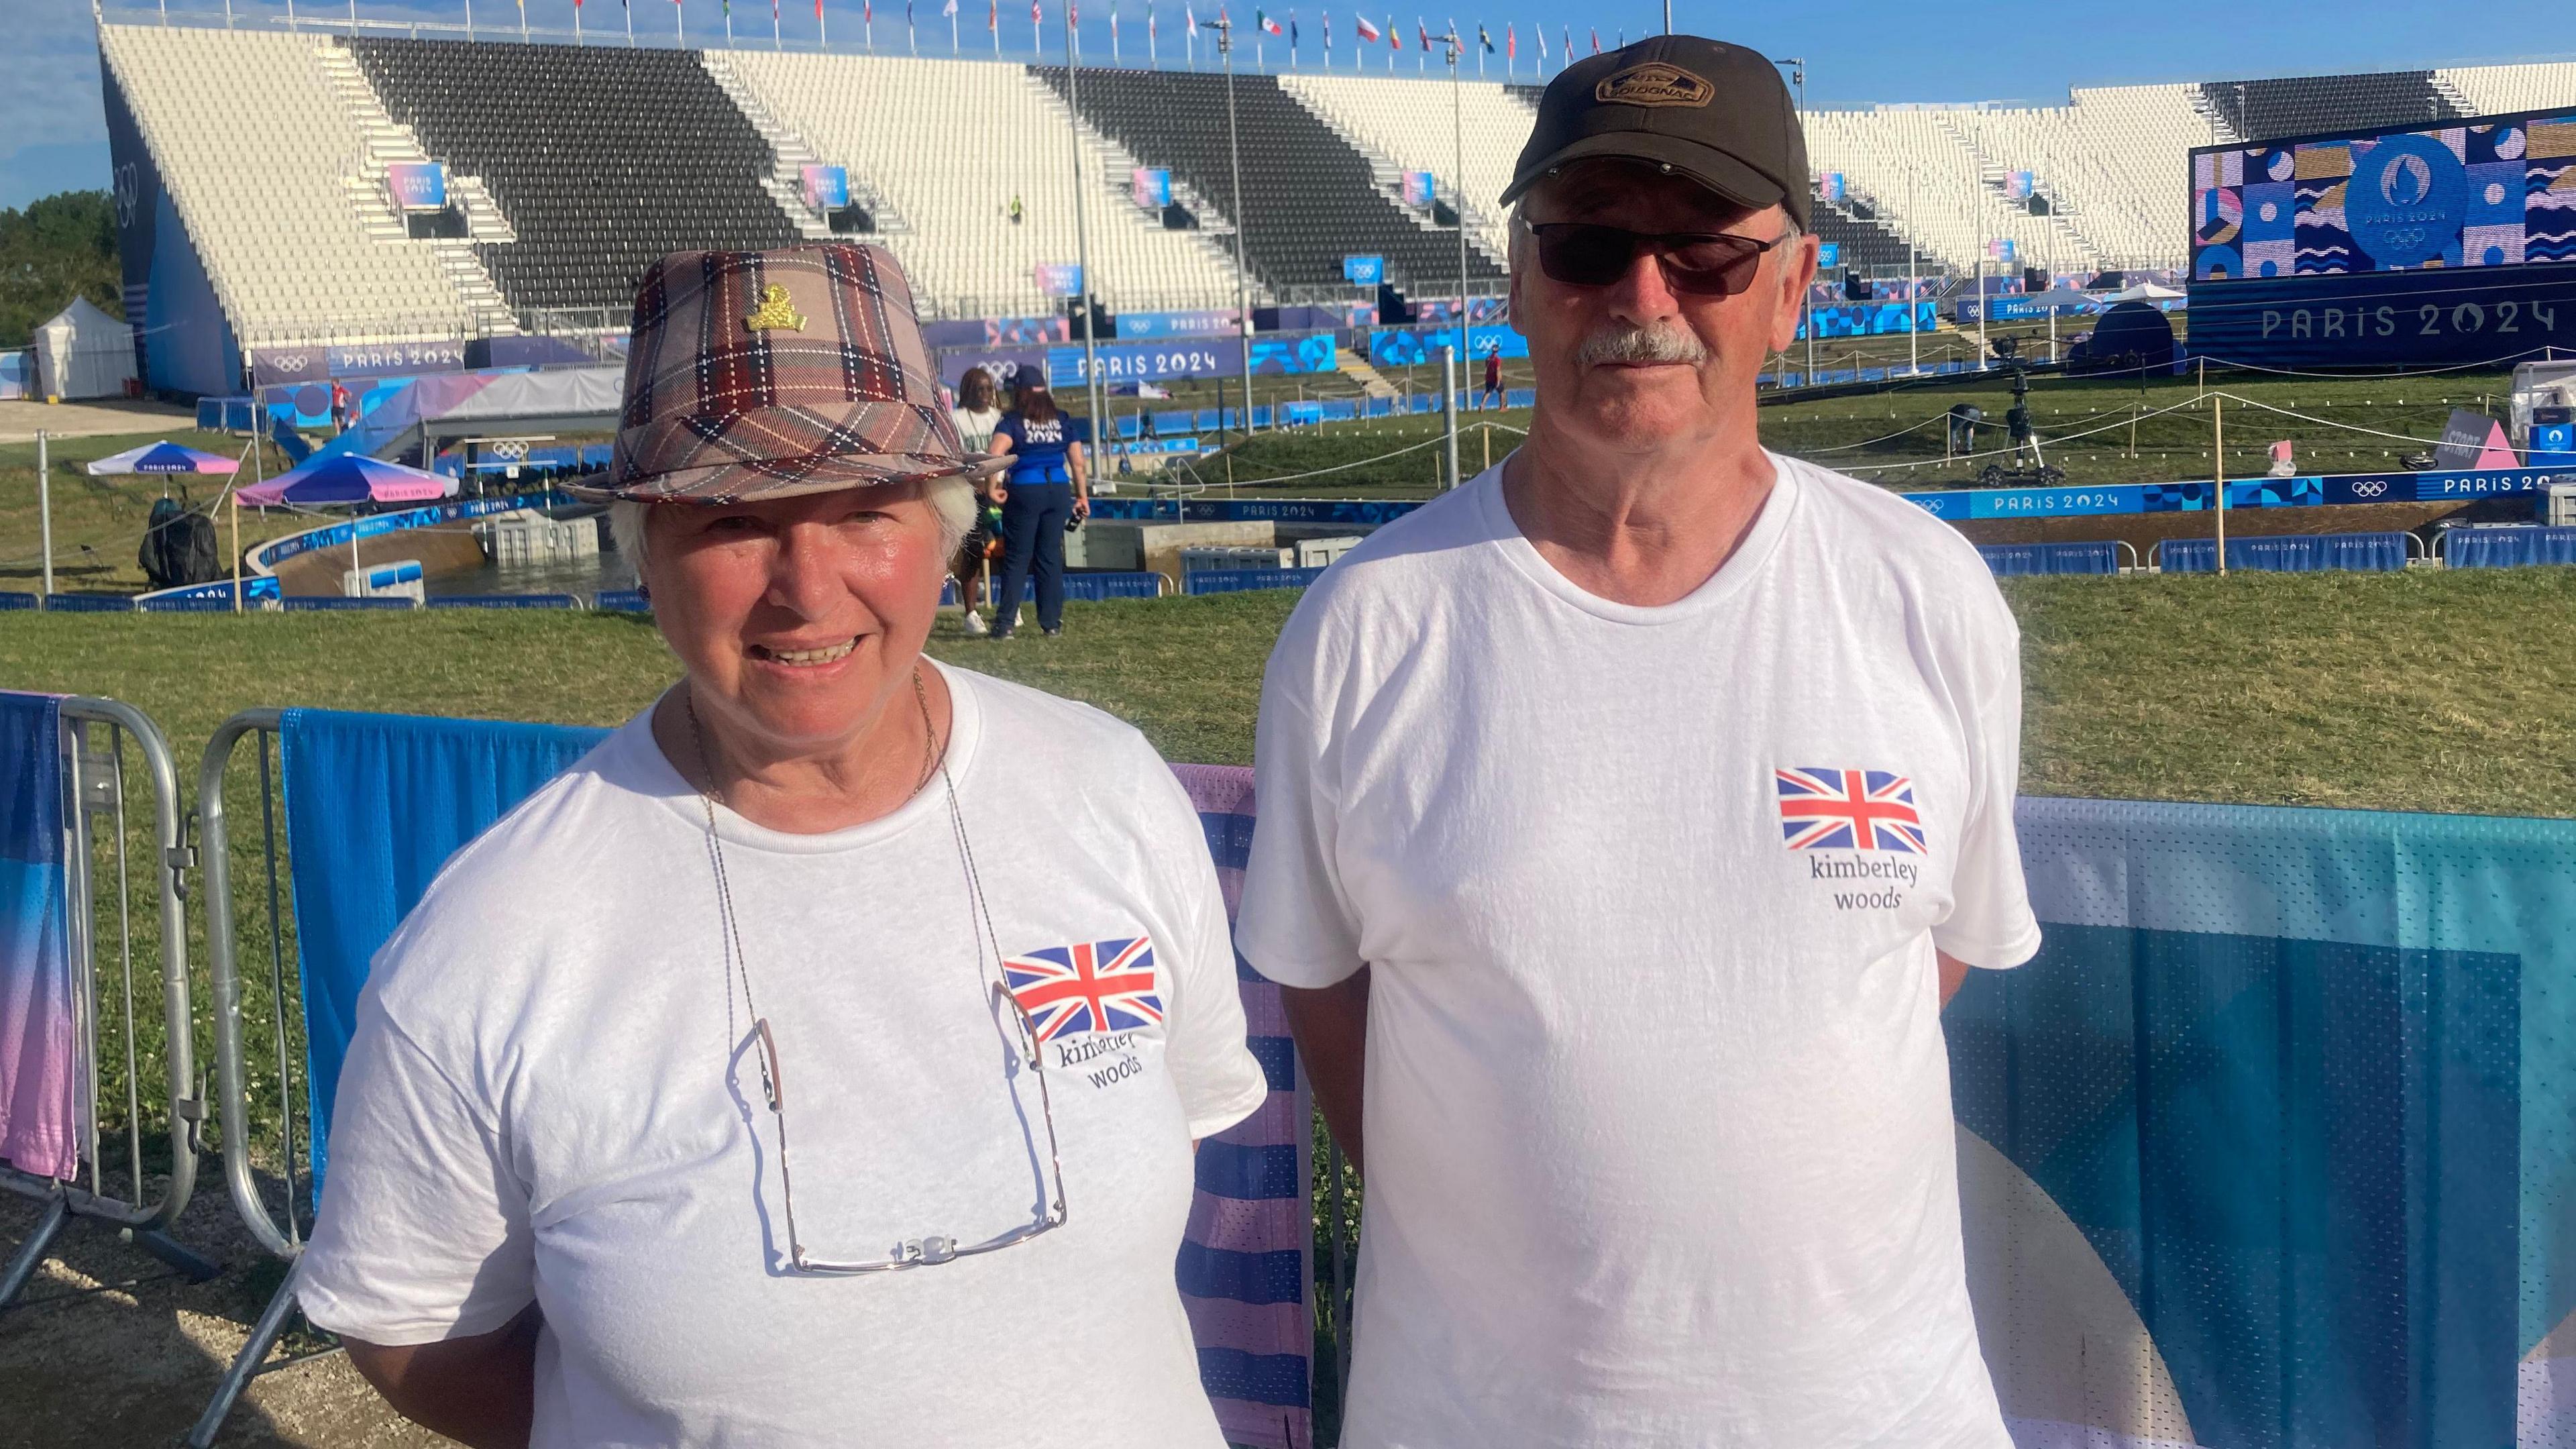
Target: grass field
x=99 y=522
x=2421 y=691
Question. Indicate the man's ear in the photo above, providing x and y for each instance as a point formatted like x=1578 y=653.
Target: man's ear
x=1797 y=274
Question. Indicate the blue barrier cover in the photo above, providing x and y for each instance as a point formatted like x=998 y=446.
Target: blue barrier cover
x=2293 y=553
x=2280 y=1115
x=89 y=603
x=189 y=604
x=2503 y=548
x=622 y=601
x=345 y=776
x=1090 y=588
x=1233 y=581
x=334 y=603
x=19 y=601
x=42 y=1057
x=505 y=601
x=2102 y=557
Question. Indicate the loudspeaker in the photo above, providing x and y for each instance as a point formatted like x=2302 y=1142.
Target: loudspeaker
x=1855 y=287
x=2034 y=279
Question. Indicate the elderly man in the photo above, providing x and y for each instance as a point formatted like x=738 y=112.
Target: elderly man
x=1631 y=811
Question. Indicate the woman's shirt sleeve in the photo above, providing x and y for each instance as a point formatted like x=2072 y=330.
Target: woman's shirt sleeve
x=422 y=1234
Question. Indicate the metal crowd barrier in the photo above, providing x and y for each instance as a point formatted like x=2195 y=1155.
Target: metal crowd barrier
x=281 y=1234
x=95 y=733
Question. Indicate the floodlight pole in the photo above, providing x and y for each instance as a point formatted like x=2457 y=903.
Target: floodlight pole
x=1913 y=288
x=1458 y=194
x=1668 y=17
x=1223 y=25
x=45 y=512
x=1082 y=244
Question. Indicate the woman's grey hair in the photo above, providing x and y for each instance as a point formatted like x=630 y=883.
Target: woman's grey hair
x=952 y=499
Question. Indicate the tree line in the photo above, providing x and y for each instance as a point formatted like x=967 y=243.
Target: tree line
x=52 y=250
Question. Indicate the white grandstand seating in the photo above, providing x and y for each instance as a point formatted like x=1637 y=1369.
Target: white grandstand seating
x=947 y=143
x=2496 y=90
x=257 y=151
x=2113 y=161
x=1410 y=124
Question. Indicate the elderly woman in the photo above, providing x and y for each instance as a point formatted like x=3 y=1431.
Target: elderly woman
x=819 y=1060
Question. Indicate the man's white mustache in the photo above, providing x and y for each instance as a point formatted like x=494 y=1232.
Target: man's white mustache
x=1641 y=344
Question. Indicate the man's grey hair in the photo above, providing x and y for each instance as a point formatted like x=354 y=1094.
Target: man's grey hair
x=952 y=499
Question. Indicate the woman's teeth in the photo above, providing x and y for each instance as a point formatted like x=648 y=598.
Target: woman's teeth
x=805 y=656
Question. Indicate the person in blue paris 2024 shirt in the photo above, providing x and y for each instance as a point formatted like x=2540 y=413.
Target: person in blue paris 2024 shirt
x=1046 y=491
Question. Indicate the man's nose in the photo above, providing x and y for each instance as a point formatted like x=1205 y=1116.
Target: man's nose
x=1641 y=295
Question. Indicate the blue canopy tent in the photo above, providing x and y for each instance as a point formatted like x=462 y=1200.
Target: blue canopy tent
x=349 y=478
x=162 y=458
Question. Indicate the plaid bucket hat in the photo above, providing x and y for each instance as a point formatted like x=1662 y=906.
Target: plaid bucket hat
x=770 y=374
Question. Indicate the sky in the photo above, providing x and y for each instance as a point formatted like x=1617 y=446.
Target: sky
x=1857 y=52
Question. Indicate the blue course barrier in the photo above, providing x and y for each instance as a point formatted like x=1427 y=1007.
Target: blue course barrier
x=333 y=603
x=2291 y=554
x=1235 y=581
x=89 y=603
x=1089 y=588
x=2505 y=548
x=188 y=604
x=506 y=601
x=622 y=601
x=2006 y=559
x=19 y=601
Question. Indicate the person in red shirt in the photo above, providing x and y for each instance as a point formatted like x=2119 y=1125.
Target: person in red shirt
x=1493 y=375
x=339 y=407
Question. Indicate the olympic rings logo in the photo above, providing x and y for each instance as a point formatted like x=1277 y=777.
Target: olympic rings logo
x=2371 y=489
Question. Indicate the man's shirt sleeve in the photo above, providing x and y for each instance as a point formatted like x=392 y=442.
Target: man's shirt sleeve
x=1990 y=922
x=1296 y=925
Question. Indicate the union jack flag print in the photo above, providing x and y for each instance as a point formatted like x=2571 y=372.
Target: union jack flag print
x=1093 y=986
x=1823 y=809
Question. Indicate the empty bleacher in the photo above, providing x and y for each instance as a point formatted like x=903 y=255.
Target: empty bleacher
x=264 y=164
x=2261 y=110
x=2499 y=90
x=1309 y=198
x=948 y=144
x=1411 y=124
x=602 y=158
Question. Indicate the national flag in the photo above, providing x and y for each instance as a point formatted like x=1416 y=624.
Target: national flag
x=1596 y=40
x=1293 y=32
x=1073 y=13
x=1091 y=986
x=1511 y=42
x=1822 y=809
x=1261 y=20
x=1360 y=26
x=1483 y=39
x=948 y=9
x=1394 y=33
x=1422 y=30
x=993 y=17
x=1328 y=33
x=1539 y=34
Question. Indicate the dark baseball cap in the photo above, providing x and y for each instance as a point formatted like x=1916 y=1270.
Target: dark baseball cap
x=1714 y=112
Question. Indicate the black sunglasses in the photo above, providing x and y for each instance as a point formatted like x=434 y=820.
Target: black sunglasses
x=1698 y=264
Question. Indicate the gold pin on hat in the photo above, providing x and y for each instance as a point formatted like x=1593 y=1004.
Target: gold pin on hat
x=774 y=311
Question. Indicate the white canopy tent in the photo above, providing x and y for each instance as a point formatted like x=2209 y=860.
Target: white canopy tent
x=83 y=352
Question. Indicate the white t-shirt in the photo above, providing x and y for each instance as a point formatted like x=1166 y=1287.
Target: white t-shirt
x=976 y=427
x=1657 y=1108
x=548 y=1098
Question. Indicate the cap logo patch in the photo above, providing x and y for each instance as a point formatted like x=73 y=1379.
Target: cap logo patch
x=1655 y=84
x=774 y=311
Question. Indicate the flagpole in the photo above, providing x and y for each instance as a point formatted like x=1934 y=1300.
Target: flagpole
x=680 y=23
x=1242 y=275
x=728 y=17
x=1113 y=32
x=1082 y=241
x=629 y=8
x=823 y=27
x=777 y=37
x=1458 y=197
x=576 y=19
x=954 y=48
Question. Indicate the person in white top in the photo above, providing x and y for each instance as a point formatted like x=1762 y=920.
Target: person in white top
x=965 y=937
x=978 y=412
x=1627 y=816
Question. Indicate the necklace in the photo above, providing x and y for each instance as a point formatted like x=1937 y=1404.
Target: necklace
x=934 y=761
x=933 y=1248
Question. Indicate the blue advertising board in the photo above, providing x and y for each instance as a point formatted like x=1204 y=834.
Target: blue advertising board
x=1871 y=319
x=2313 y=491
x=416 y=185
x=1829 y=254
x=1201 y=357
x=1140 y=326
x=2444 y=317
x=1364 y=271
x=1408 y=346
